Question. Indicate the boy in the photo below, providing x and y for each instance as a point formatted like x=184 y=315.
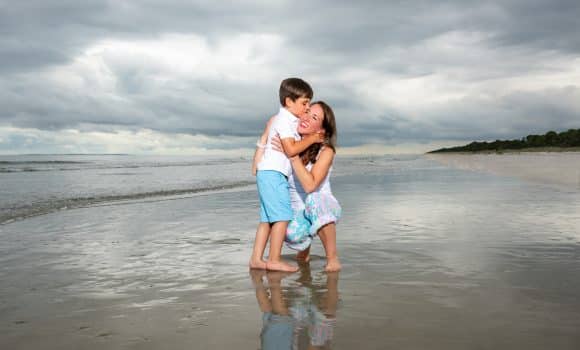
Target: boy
x=273 y=171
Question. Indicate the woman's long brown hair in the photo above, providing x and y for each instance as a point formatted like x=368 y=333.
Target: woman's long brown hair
x=329 y=125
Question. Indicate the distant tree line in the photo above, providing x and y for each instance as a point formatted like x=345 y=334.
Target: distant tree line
x=570 y=138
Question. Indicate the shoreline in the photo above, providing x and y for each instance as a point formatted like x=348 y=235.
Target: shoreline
x=516 y=151
x=117 y=200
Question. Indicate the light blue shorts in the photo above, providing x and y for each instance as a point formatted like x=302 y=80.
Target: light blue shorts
x=274 y=196
x=277 y=331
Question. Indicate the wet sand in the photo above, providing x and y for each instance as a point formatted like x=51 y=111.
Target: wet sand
x=434 y=257
x=560 y=168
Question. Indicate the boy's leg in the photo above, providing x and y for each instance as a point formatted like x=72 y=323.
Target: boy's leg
x=261 y=293
x=327 y=235
x=279 y=306
x=275 y=202
x=263 y=230
x=262 y=233
x=277 y=234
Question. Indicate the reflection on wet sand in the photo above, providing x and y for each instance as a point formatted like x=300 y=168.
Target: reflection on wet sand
x=300 y=315
x=548 y=168
x=434 y=258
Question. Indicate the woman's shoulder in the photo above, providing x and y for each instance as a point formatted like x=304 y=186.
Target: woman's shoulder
x=326 y=151
x=325 y=156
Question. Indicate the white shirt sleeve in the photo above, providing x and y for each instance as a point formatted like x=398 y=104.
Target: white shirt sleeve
x=284 y=129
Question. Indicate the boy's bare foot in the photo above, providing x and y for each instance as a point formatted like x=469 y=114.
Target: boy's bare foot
x=280 y=266
x=303 y=256
x=257 y=264
x=332 y=265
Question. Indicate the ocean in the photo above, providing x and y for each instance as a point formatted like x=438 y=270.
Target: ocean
x=39 y=184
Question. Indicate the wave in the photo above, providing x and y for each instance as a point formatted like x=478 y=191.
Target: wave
x=41 y=208
x=20 y=162
x=35 y=166
x=24 y=170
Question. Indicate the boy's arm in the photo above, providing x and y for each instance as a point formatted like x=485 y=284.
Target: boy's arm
x=293 y=148
x=261 y=146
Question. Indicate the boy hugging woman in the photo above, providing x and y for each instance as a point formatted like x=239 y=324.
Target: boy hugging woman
x=293 y=162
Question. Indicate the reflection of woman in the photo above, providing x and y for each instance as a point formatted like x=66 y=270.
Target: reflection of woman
x=316 y=211
x=317 y=306
x=301 y=317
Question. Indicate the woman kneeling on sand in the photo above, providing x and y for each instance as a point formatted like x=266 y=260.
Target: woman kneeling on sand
x=316 y=211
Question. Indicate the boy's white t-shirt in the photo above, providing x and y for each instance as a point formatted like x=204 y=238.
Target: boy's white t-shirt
x=285 y=124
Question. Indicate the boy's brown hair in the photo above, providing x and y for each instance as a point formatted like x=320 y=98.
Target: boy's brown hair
x=294 y=88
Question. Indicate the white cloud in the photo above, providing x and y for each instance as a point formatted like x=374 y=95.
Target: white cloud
x=142 y=141
x=245 y=56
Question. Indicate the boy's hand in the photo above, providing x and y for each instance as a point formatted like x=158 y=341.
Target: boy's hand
x=321 y=136
x=317 y=137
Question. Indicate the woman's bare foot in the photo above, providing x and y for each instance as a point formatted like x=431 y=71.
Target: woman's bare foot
x=257 y=264
x=332 y=265
x=303 y=256
x=280 y=266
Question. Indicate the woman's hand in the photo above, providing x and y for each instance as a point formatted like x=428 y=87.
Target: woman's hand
x=277 y=144
x=296 y=159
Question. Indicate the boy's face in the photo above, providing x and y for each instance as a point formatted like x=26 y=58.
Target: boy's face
x=299 y=107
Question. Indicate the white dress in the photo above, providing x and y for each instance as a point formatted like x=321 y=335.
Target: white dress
x=311 y=211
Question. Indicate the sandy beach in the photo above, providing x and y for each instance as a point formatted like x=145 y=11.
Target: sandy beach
x=434 y=257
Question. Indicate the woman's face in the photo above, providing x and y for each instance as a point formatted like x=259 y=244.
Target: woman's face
x=312 y=121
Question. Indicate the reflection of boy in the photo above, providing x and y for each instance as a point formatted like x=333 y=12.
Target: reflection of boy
x=278 y=326
x=277 y=331
x=273 y=172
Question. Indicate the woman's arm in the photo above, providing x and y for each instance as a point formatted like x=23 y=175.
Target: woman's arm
x=259 y=153
x=310 y=180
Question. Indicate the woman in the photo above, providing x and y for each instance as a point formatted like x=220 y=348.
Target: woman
x=315 y=208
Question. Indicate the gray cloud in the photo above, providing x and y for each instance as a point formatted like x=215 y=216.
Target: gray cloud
x=493 y=66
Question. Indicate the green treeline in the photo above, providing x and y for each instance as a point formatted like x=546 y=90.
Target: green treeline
x=565 y=139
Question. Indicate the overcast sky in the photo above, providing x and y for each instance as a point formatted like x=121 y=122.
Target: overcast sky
x=190 y=77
